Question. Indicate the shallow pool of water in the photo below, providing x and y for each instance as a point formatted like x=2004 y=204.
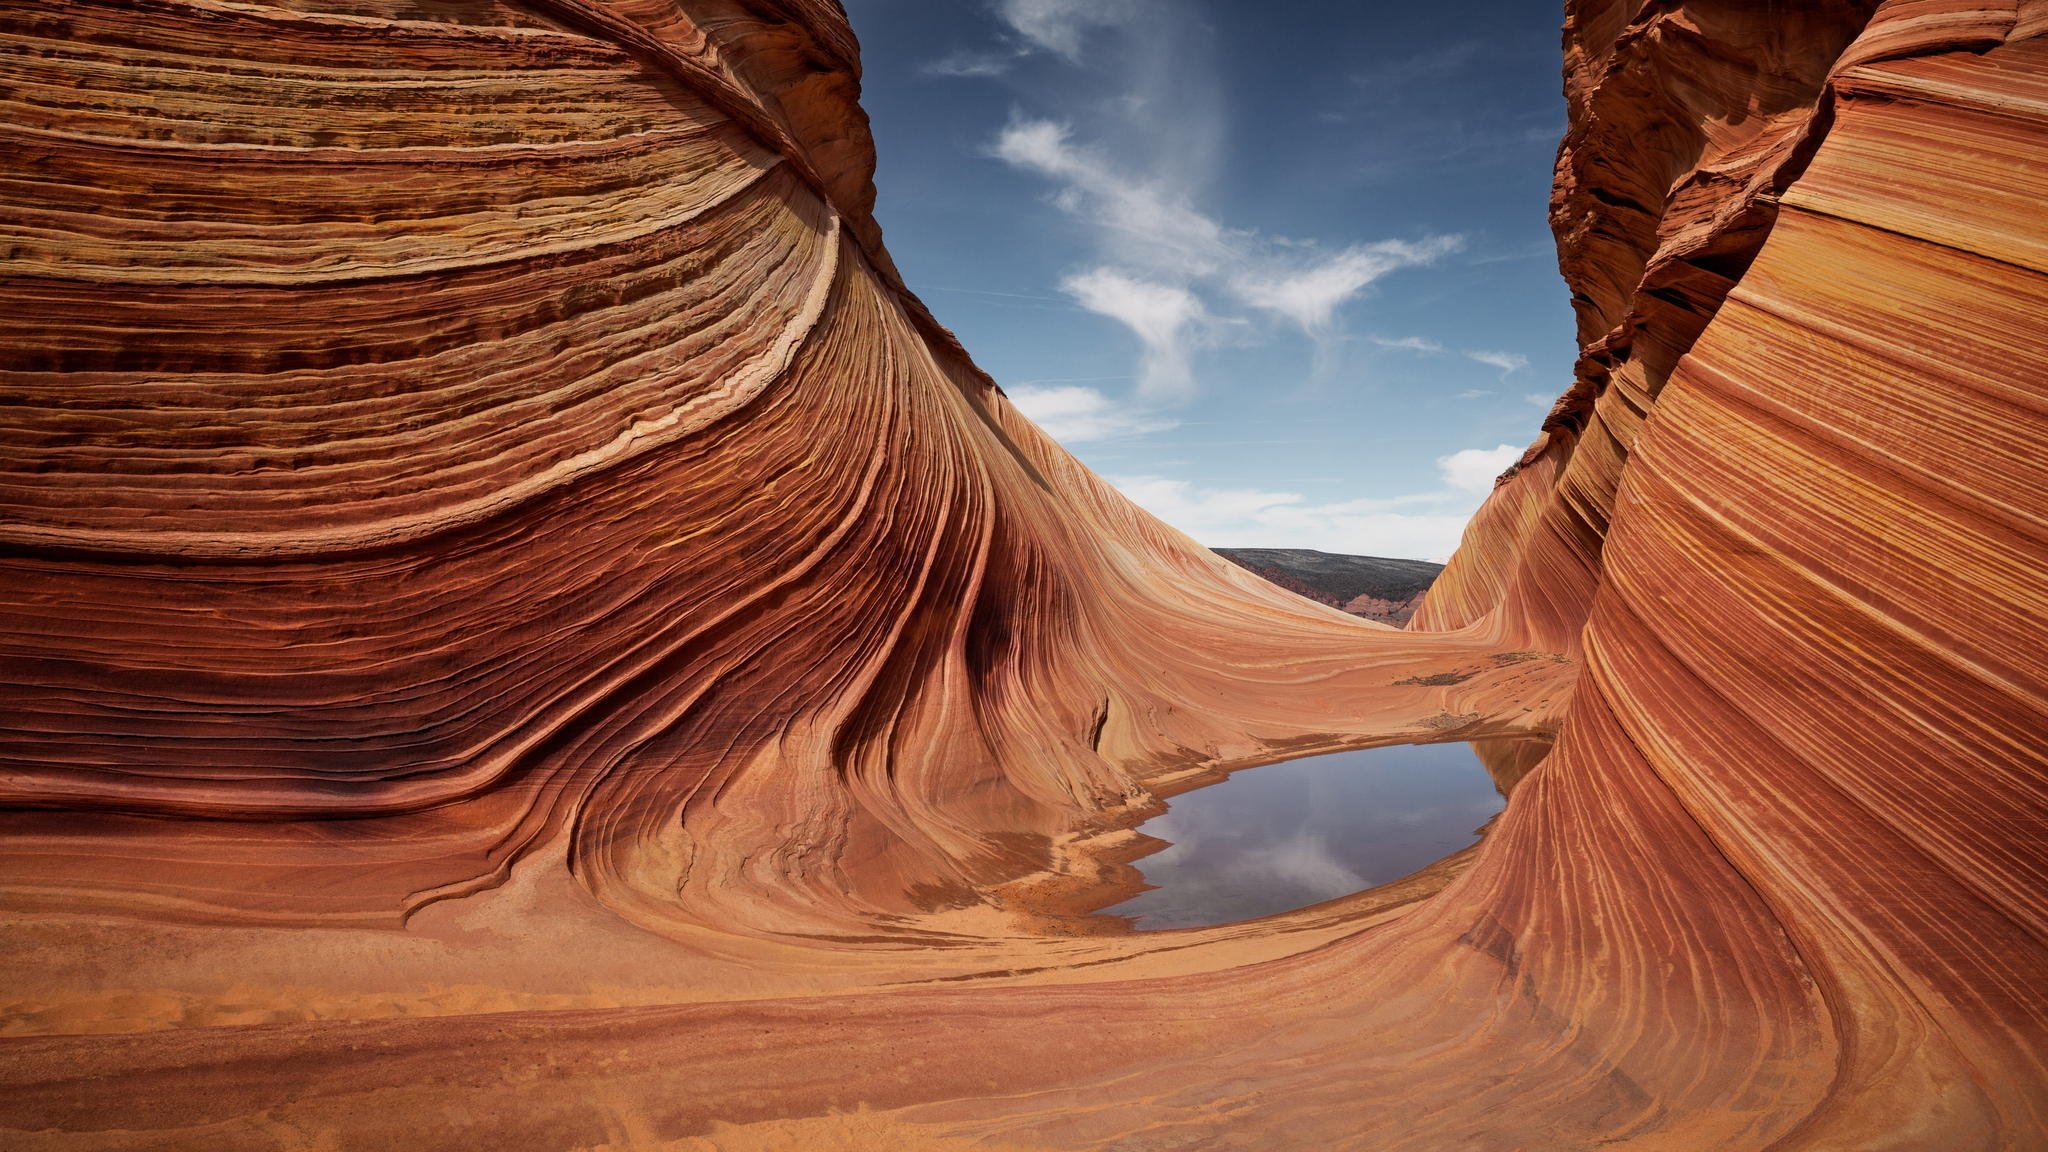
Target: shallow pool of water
x=1287 y=835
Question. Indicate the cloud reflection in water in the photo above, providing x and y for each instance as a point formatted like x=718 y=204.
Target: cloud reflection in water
x=1303 y=831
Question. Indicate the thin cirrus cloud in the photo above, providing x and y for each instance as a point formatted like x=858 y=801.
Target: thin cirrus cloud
x=1140 y=222
x=970 y=63
x=1163 y=252
x=1507 y=362
x=1424 y=524
x=1409 y=344
x=1059 y=27
x=1309 y=295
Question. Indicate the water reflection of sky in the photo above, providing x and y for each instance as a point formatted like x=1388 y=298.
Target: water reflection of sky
x=1302 y=831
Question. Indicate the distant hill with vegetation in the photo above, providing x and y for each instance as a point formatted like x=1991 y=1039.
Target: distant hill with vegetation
x=1375 y=587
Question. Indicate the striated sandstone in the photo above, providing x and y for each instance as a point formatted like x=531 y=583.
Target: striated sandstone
x=505 y=588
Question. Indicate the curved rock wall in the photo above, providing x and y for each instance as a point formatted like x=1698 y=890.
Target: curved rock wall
x=504 y=588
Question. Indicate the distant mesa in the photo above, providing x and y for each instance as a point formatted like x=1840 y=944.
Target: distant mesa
x=1373 y=587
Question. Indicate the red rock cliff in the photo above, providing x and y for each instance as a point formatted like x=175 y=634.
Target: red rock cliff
x=506 y=589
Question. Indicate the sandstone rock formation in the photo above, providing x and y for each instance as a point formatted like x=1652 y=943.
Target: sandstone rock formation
x=520 y=631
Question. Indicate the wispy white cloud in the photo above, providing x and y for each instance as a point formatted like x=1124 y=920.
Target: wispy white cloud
x=1310 y=292
x=1539 y=250
x=1409 y=344
x=1165 y=253
x=967 y=62
x=1160 y=314
x=1144 y=222
x=1060 y=26
x=1073 y=414
x=1539 y=400
x=1507 y=362
x=1473 y=470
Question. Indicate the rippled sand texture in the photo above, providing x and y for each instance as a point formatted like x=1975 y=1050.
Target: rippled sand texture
x=519 y=631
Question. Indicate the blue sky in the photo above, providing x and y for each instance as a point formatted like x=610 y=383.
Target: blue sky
x=1280 y=271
